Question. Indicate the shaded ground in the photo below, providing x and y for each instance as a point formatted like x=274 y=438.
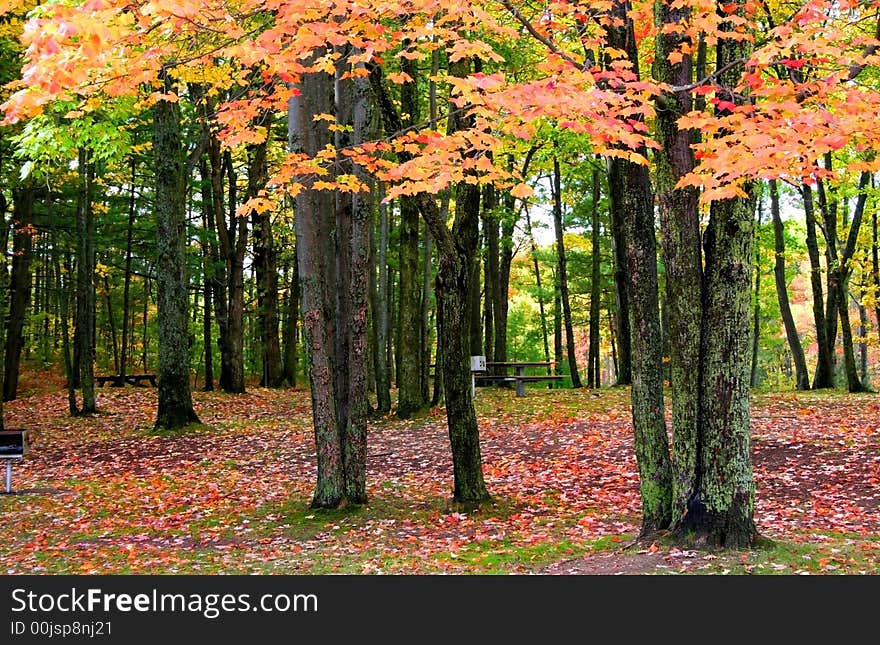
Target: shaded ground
x=233 y=496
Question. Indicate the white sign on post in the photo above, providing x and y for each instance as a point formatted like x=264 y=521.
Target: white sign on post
x=478 y=364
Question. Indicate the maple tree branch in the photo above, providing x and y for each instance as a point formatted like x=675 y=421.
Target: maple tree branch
x=392 y=132
x=195 y=154
x=525 y=22
x=854 y=70
x=708 y=79
x=528 y=160
x=855 y=225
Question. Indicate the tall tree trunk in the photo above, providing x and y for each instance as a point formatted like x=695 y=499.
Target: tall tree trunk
x=563 y=275
x=111 y=320
x=623 y=363
x=228 y=287
x=802 y=377
x=505 y=244
x=44 y=278
x=863 y=340
x=824 y=375
x=828 y=206
x=437 y=396
x=353 y=224
x=593 y=379
x=85 y=283
x=126 y=288
x=540 y=291
x=875 y=263
x=4 y=288
x=841 y=270
x=380 y=314
x=144 y=327
x=756 y=317
x=612 y=337
x=454 y=312
x=557 y=324
x=723 y=505
x=314 y=225
x=491 y=270
x=332 y=240
x=235 y=249
x=291 y=325
x=425 y=324
x=409 y=393
x=219 y=251
x=208 y=267
x=266 y=269
x=62 y=291
x=452 y=287
x=391 y=358
x=427 y=328
x=175 y=409
x=20 y=285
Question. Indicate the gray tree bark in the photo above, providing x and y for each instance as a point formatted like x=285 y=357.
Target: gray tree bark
x=175 y=409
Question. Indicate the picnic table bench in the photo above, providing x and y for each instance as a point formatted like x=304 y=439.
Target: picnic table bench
x=519 y=377
x=133 y=379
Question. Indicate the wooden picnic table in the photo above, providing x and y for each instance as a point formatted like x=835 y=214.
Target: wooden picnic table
x=133 y=379
x=519 y=378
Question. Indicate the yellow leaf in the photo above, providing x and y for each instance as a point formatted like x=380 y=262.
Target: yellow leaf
x=522 y=191
x=403 y=77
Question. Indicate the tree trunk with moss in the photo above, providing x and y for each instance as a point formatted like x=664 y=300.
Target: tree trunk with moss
x=175 y=409
x=682 y=258
x=632 y=204
x=721 y=511
x=723 y=505
x=630 y=192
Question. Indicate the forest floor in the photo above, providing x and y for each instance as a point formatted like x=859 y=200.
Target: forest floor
x=105 y=494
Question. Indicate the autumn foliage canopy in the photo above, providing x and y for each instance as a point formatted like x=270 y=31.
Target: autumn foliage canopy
x=805 y=90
